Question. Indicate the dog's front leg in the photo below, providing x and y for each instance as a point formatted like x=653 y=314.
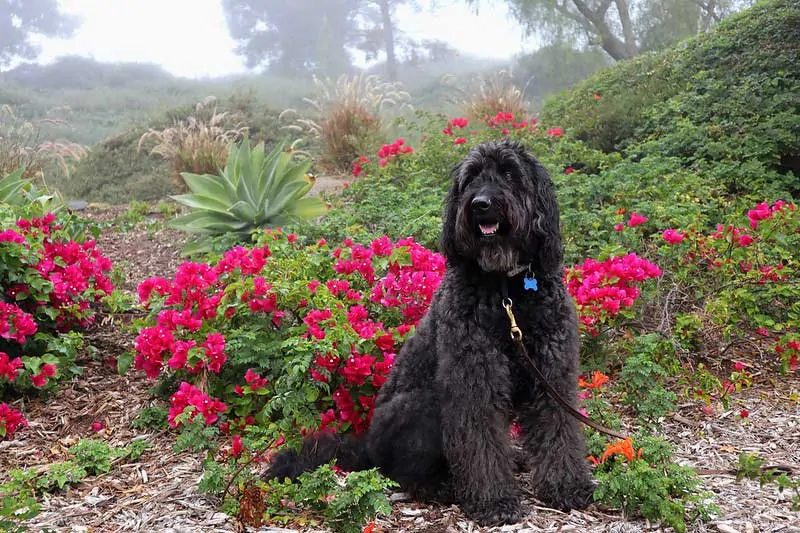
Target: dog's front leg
x=475 y=387
x=554 y=441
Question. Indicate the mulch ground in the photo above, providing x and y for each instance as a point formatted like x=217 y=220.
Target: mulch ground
x=159 y=491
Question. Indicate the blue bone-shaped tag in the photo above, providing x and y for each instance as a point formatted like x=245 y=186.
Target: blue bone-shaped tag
x=530 y=283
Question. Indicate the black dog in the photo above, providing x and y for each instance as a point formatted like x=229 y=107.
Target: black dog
x=440 y=425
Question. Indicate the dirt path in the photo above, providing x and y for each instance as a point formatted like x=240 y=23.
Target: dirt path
x=159 y=492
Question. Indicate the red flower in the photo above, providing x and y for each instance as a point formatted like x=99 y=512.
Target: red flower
x=569 y=170
x=555 y=132
x=459 y=140
x=744 y=413
x=97 y=426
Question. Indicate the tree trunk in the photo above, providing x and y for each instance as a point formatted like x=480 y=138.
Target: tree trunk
x=631 y=47
x=388 y=37
x=613 y=46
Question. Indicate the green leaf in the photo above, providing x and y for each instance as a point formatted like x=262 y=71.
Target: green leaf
x=124 y=362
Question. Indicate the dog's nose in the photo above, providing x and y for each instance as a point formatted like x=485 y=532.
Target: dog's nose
x=481 y=203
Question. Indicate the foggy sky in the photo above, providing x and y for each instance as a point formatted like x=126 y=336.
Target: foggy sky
x=190 y=38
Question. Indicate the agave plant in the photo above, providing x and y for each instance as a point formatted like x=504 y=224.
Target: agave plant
x=256 y=189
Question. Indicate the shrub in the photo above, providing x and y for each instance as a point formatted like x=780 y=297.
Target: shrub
x=197 y=144
x=485 y=96
x=348 y=117
x=724 y=102
x=50 y=285
x=336 y=319
x=21 y=146
x=647 y=482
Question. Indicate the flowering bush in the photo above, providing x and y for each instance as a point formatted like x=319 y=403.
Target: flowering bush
x=292 y=336
x=602 y=289
x=742 y=281
x=51 y=284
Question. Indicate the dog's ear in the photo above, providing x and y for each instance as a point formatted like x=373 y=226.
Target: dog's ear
x=546 y=230
x=448 y=239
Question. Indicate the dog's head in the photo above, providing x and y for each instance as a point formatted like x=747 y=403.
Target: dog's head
x=501 y=211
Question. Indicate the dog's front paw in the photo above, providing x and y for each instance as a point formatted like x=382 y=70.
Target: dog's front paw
x=503 y=511
x=568 y=498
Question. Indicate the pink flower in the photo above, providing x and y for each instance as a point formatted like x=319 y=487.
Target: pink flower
x=636 y=220
x=761 y=212
x=672 y=236
x=188 y=396
x=569 y=170
x=619 y=227
x=237 y=447
x=97 y=426
x=254 y=380
x=459 y=140
x=11 y=421
x=9 y=368
x=745 y=240
x=738 y=366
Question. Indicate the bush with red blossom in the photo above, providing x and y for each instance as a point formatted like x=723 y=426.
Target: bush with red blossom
x=50 y=284
x=295 y=337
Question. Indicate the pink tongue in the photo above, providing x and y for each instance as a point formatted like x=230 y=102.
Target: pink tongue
x=488 y=229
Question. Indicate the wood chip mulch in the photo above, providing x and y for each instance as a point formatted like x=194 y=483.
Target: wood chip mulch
x=159 y=491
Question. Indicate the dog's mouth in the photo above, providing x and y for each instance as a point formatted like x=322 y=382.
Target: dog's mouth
x=489 y=229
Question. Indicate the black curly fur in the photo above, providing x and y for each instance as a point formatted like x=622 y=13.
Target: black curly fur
x=440 y=425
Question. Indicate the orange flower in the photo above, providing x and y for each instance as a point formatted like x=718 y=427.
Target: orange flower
x=598 y=380
x=621 y=211
x=592 y=459
x=369 y=527
x=622 y=447
x=596 y=96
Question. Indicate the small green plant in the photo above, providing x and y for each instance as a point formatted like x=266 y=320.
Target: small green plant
x=345 y=507
x=90 y=457
x=150 y=417
x=647 y=482
x=754 y=467
x=642 y=377
x=254 y=190
x=167 y=209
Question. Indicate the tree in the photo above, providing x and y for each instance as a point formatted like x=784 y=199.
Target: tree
x=294 y=37
x=623 y=28
x=380 y=33
x=22 y=19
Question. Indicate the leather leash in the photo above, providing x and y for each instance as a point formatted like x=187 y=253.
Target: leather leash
x=516 y=336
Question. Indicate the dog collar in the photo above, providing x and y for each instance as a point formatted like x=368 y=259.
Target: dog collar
x=529 y=282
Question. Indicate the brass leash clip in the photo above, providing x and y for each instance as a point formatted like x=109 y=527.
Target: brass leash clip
x=516 y=333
